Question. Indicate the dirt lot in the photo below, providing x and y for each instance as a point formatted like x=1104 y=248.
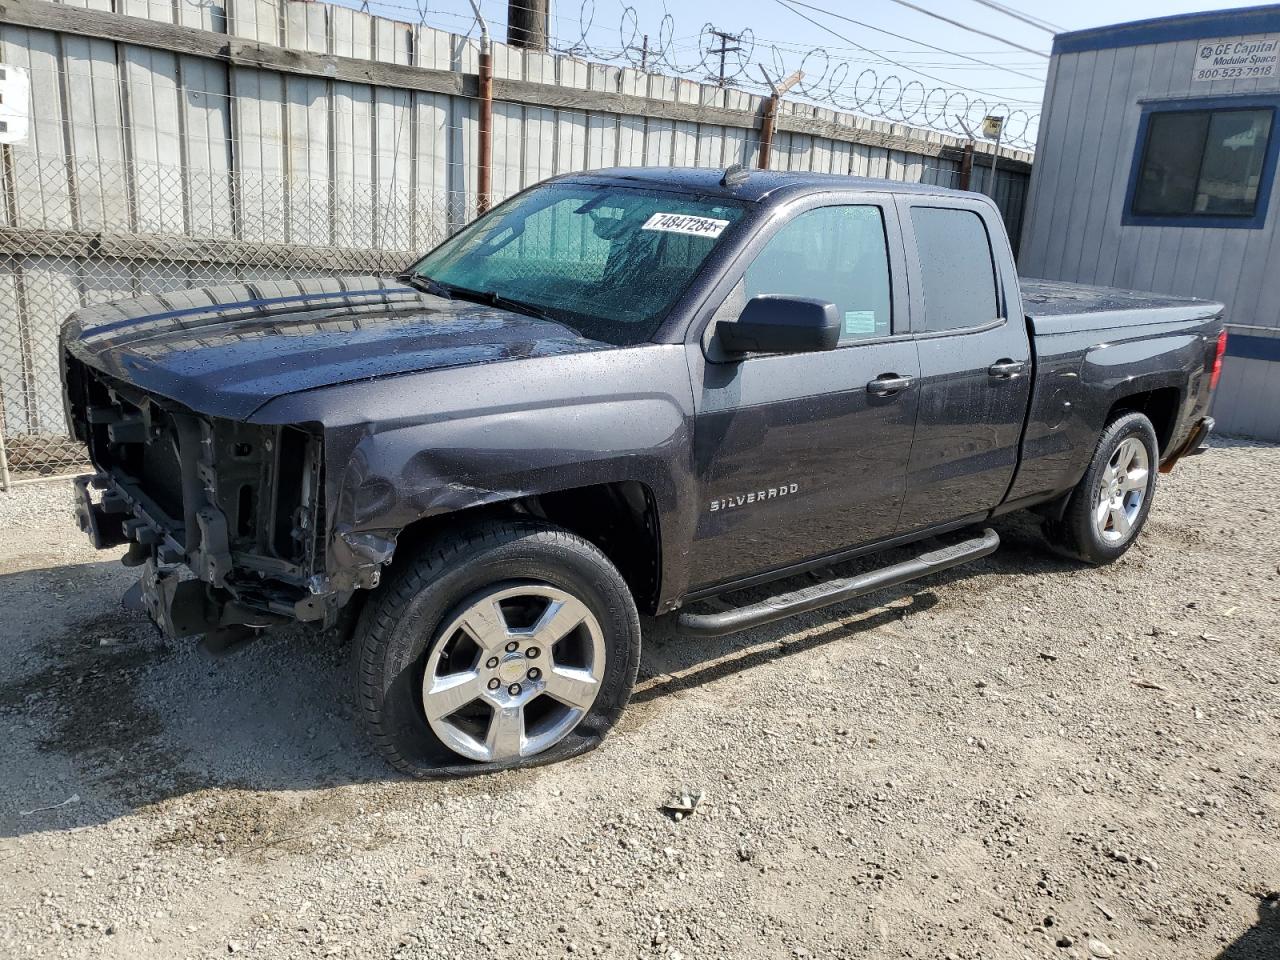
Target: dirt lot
x=1026 y=758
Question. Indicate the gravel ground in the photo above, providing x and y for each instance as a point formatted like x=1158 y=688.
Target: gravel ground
x=1024 y=758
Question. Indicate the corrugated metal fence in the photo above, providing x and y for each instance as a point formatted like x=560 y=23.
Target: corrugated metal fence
x=177 y=144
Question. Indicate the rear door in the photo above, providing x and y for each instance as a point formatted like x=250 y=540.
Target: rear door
x=975 y=360
x=803 y=455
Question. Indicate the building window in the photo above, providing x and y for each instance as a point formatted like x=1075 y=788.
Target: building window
x=1203 y=165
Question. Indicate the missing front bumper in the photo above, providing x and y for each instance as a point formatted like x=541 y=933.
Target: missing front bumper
x=185 y=607
x=102 y=521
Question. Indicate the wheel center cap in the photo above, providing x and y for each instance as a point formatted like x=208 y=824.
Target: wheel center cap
x=512 y=667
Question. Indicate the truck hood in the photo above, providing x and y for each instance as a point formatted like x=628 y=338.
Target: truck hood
x=224 y=351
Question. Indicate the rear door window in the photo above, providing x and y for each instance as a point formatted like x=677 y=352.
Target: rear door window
x=957 y=270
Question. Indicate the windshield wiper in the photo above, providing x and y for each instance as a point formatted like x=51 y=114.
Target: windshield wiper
x=495 y=299
x=424 y=283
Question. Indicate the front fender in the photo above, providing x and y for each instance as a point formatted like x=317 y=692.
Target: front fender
x=403 y=449
x=414 y=471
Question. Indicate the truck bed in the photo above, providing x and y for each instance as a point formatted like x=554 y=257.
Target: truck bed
x=1054 y=306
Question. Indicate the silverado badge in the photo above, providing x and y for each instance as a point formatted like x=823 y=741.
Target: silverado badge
x=755 y=496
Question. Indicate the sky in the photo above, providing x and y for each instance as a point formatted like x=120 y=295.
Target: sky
x=869 y=68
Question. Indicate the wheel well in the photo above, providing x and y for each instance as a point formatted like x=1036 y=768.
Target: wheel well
x=1159 y=406
x=621 y=519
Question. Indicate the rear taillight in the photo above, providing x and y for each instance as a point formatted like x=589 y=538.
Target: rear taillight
x=1217 y=360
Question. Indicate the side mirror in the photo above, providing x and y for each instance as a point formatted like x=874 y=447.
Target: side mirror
x=778 y=324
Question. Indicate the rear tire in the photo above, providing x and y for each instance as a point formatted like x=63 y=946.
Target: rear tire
x=446 y=686
x=1109 y=506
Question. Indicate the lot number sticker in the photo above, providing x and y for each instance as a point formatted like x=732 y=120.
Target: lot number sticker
x=683 y=223
x=1236 y=58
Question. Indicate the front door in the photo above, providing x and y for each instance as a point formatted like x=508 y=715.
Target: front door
x=803 y=455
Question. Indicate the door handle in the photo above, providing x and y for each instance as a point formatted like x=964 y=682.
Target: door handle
x=889 y=384
x=1006 y=369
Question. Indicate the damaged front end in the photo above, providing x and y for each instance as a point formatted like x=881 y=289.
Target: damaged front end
x=238 y=505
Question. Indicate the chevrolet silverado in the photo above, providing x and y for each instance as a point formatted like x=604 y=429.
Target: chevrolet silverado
x=617 y=392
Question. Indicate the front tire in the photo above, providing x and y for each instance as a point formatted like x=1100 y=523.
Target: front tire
x=1109 y=506
x=508 y=644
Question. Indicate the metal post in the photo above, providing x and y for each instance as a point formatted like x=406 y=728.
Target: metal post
x=4 y=458
x=995 y=159
x=993 y=129
x=966 y=160
x=966 y=166
x=11 y=210
x=770 y=118
x=766 y=130
x=484 y=144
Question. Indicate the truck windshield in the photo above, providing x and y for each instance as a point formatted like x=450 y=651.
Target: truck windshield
x=606 y=261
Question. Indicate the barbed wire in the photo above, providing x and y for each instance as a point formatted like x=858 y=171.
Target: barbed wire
x=829 y=80
x=868 y=85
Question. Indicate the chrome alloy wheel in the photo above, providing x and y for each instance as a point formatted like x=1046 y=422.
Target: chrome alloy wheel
x=513 y=673
x=1121 y=491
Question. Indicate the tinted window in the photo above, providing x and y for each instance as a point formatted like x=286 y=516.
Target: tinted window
x=956 y=268
x=1202 y=163
x=836 y=254
x=607 y=261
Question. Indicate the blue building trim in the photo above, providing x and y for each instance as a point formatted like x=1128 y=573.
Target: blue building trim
x=1191 y=26
x=1265 y=183
x=1253 y=348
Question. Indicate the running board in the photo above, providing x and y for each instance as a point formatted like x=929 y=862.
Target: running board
x=834 y=591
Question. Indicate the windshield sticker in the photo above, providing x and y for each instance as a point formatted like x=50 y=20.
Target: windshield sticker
x=683 y=223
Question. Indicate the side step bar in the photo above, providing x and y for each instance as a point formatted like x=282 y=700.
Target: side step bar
x=834 y=591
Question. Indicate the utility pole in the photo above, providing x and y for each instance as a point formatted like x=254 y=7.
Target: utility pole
x=724 y=48
x=643 y=50
x=527 y=23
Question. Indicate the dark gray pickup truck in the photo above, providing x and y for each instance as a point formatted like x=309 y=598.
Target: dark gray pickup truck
x=617 y=392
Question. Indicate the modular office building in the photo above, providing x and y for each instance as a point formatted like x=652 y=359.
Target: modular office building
x=1155 y=170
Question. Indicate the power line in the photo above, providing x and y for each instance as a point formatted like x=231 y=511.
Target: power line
x=899 y=36
x=1028 y=19
x=785 y=4
x=852 y=55
x=965 y=26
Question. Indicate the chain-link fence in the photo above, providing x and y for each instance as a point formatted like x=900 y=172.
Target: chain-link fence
x=79 y=232
x=84 y=232
x=162 y=157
